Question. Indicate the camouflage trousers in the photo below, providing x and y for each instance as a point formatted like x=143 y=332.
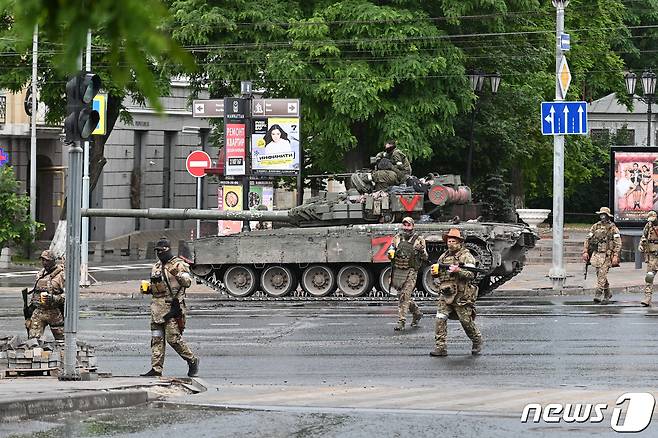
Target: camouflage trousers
x=652 y=268
x=46 y=317
x=602 y=284
x=405 y=302
x=384 y=179
x=465 y=313
x=171 y=333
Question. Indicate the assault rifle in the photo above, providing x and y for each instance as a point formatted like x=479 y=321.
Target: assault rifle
x=590 y=251
x=28 y=309
x=470 y=268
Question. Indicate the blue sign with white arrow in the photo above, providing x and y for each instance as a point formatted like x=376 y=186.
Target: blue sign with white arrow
x=560 y=118
x=4 y=157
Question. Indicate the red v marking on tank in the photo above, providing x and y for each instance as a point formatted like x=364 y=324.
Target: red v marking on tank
x=409 y=205
x=380 y=245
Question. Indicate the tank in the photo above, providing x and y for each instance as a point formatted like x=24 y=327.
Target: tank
x=335 y=244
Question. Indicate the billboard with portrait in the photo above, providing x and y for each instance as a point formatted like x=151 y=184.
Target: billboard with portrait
x=229 y=197
x=275 y=146
x=634 y=191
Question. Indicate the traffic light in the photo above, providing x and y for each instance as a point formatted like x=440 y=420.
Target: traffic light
x=81 y=119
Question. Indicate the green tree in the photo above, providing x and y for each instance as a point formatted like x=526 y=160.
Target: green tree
x=16 y=226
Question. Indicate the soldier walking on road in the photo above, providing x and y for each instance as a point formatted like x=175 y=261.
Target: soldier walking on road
x=457 y=293
x=649 y=247
x=407 y=252
x=170 y=276
x=601 y=248
x=48 y=299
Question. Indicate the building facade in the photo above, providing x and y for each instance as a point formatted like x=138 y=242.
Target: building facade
x=607 y=117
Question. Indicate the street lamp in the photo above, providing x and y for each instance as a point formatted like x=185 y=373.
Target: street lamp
x=649 y=93
x=477 y=79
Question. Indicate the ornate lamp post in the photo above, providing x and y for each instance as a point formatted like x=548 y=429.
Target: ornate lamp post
x=477 y=79
x=649 y=93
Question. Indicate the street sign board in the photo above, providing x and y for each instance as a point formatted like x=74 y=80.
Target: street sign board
x=565 y=42
x=564 y=77
x=234 y=108
x=559 y=118
x=4 y=157
x=209 y=108
x=275 y=107
x=100 y=105
x=197 y=163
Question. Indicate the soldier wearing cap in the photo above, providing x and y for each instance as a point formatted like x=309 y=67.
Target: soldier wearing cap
x=170 y=276
x=457 y=294
x=649 y=247
x=48 y=299
x=601 y=248
x=407 y=252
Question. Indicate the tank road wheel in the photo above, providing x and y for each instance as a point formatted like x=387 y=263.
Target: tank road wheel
x=385 y=279
x=277 y=281
x=201 y=270
x=318 y=280
x=354 y=280
x=240 y=281
x=427 y=281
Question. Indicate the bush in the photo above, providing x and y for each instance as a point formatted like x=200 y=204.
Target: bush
x=16 y=226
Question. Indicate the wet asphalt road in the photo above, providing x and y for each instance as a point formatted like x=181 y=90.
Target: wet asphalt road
x=529 y=342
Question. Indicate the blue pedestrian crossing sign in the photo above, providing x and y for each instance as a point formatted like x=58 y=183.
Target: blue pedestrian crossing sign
x=561 y=118
x=100 y=105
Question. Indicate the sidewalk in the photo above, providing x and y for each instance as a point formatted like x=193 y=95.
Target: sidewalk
x=31 y=397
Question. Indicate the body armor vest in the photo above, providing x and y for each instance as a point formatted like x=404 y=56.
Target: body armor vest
x=406 y=257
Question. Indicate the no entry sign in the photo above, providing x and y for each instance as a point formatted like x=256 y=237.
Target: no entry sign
x=197 y=163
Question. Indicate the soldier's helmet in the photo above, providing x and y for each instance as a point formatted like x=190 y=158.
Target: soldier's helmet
x=47 y=255
x=453 y=233
x=262 y=207
x=162 y=243
x=604 y=210
x=651 y=216
x=408 y=220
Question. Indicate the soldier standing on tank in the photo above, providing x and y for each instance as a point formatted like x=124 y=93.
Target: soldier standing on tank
x=407 y=252
x=48 y=299
x=170 y=276
x=649 y=247
x=457 y=293
x=601 y=249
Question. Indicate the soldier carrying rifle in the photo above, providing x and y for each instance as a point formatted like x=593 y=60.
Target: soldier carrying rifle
x=46 y=306
x=649 y=247
x=601 y=249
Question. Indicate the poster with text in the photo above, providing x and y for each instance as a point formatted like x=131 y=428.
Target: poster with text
x=635 y=189
x=229 y=197
x=260 y=195
x=275 y=145
x=235 y=149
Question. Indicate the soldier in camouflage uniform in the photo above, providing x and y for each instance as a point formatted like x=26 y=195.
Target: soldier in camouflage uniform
x=170 y=276
x=392 y=167
x=649 y=247
x=48 y=299
x=457 y=294
x=407 y=252
x=601 y=249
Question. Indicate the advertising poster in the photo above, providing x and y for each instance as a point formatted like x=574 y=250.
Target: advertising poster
x=260 y=195
x=229 y=197
x=235 y=149
x=635 y=190
x=275 y=145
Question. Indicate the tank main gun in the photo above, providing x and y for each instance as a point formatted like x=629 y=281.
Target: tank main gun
x=191 y=213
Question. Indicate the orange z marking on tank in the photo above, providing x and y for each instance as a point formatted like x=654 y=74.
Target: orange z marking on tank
x=380 y=245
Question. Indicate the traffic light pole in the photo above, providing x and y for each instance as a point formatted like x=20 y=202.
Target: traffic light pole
x=33 y=128
x=84 y=248
x=73 y=223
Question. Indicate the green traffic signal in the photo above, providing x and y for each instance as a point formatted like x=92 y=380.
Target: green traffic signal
x=81 y=119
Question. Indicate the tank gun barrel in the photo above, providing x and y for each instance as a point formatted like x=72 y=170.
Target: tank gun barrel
x=189 y=213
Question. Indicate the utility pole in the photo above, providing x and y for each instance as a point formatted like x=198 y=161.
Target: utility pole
x=558 y=273
x=33 y=128
x=84 y=248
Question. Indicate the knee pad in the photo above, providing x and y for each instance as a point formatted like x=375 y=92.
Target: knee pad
x=441 y=316
x=649 y=277
x=157 y=333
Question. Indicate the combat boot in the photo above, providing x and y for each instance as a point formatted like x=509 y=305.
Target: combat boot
x=476 y=349
x=193 y=368
x=151 y=373
x=400 y=326
x=646 y=302
x=597 y=296
x=439 y=352
x=417 y=317
x=606 y=296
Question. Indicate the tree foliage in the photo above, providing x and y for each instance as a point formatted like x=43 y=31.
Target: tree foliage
x=16 y=226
